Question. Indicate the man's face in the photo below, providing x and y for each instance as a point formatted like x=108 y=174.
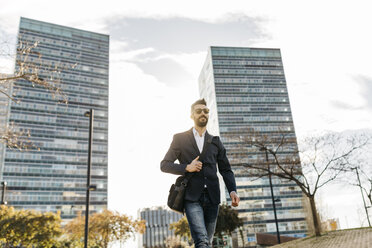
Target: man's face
x=200 y=115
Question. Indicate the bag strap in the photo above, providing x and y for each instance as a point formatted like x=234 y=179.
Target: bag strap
x=187 y=178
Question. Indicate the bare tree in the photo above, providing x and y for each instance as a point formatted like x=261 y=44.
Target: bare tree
x=33 y=69
x=15 y=138
x=324 y=158
x=30 y=69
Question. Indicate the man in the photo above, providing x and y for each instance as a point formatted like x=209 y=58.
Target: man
x=198 y=152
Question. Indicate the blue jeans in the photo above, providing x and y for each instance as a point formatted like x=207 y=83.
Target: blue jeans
x=202 y=218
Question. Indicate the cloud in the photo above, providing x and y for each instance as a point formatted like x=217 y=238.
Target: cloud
x=344 y=105
x=7 y=50
x=166 y=70
x=172 y=70
x=361 y=100
x=365 y=83
x=179 y=34
x=162 y=47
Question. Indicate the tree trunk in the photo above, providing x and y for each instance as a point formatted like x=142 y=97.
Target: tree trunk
x=315 y=216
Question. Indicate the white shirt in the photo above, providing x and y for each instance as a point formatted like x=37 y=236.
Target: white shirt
x=199 y=142
x=199 y=139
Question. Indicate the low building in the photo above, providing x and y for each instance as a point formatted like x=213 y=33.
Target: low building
x=158 y=220
x=330 y=225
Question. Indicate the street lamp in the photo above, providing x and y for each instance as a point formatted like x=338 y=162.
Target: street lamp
x=89 y=188
x=3 y=202
x=272 y=194
x=361 y=191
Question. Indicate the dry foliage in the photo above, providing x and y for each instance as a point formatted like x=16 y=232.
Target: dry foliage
x=181 y=228
x=31 y=69
x=176 y=242
x=104 y=228
x=15 y=138
x=26 y=228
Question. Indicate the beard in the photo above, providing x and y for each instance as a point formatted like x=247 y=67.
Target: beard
x=201 y=123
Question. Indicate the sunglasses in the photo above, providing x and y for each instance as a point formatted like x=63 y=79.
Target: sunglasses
x=199 y=110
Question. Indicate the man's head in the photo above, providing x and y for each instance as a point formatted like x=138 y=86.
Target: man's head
x=200 y=113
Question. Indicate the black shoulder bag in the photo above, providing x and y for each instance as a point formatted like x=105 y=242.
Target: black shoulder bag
x=177 y=193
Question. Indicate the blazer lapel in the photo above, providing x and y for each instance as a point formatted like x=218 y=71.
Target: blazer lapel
x=193 y=142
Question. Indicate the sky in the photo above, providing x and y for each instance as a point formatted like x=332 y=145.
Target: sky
x=157 y=50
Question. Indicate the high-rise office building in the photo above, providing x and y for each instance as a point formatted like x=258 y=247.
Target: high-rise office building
x=158 y=220
x=52 y=175
x=245 y=88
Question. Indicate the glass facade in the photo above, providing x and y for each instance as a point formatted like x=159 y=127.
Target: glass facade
x=52 y=176
x=157 y=226
x=246 y=88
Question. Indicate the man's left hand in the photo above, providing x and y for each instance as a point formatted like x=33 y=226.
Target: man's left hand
x=234 y=199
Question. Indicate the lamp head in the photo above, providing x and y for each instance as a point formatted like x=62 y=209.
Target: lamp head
x=92 y=187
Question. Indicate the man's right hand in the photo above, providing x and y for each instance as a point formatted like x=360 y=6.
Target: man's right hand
x=195 y=165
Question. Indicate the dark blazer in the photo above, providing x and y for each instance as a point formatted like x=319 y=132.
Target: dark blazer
x=184 y=149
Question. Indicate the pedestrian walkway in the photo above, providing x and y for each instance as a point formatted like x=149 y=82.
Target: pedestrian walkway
x=350 y=238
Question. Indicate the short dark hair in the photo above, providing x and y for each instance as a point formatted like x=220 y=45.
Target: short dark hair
x=200 y=101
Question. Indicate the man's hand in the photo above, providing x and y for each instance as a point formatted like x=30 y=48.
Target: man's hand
x=234 y=199
x=195 y=165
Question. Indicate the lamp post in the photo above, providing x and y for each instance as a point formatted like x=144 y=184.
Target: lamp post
x=361 y=191
x=3 y=202
x=368 y=207
x=89 y=114
x=272 y=194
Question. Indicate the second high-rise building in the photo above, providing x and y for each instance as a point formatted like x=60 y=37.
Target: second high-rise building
x=245 y=88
